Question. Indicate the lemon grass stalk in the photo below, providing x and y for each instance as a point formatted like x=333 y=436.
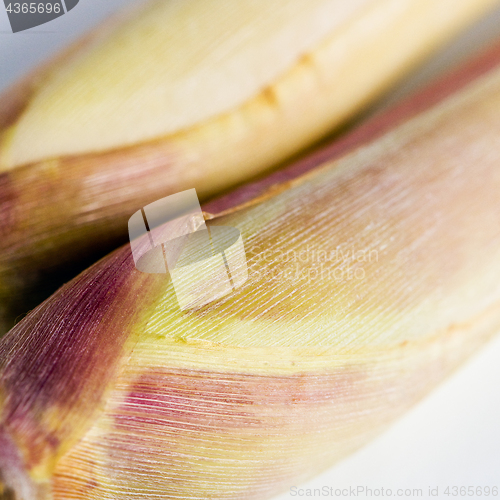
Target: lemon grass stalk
x=202 y=94
x=108 y=390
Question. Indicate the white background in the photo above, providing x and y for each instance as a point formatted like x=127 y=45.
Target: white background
x=453 y=436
